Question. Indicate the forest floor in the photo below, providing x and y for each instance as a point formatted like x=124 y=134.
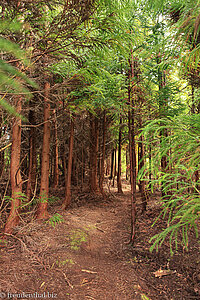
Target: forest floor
x=87 y=256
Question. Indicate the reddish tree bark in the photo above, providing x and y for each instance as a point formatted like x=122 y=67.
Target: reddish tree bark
x=67 y=200
x=115 y=167
x=15 y=175
x=132 y=175
x=42 y=212
x=119 y=182
x=82 y=166
x=32 y=157
x=132 y=151
x=127 y=163
x=103 y=155
x=74 y=170
x=56 y=171
x=94 y=136
x=112 y=164
x=140 y=166
x=107 y=166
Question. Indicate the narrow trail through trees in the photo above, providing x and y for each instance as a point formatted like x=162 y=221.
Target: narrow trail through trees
x=87 y=256
x=97 y=247
x=84 y=257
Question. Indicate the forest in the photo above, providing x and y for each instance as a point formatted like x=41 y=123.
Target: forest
x=100 y=149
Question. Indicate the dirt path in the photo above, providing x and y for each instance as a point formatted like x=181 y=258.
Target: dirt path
x=101 y=269
x=86 y=256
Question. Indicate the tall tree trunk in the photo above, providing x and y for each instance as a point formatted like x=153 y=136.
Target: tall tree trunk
x=132 y=175
x=83 y=161
x=42 y=212
x=108 y=166
x=132 y=152
x=15 y=175
x=67 y=200
x=112 y=164
x=140 y=166
x=64 y=163
x=115 y=167
x=119 y=183
x=94 y=136
x=127 y=163
x=32 y=157
x=74 y=173
x=102 y=162
x=55 y=169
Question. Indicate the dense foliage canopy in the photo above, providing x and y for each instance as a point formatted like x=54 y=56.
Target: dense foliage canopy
x=121 y=72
